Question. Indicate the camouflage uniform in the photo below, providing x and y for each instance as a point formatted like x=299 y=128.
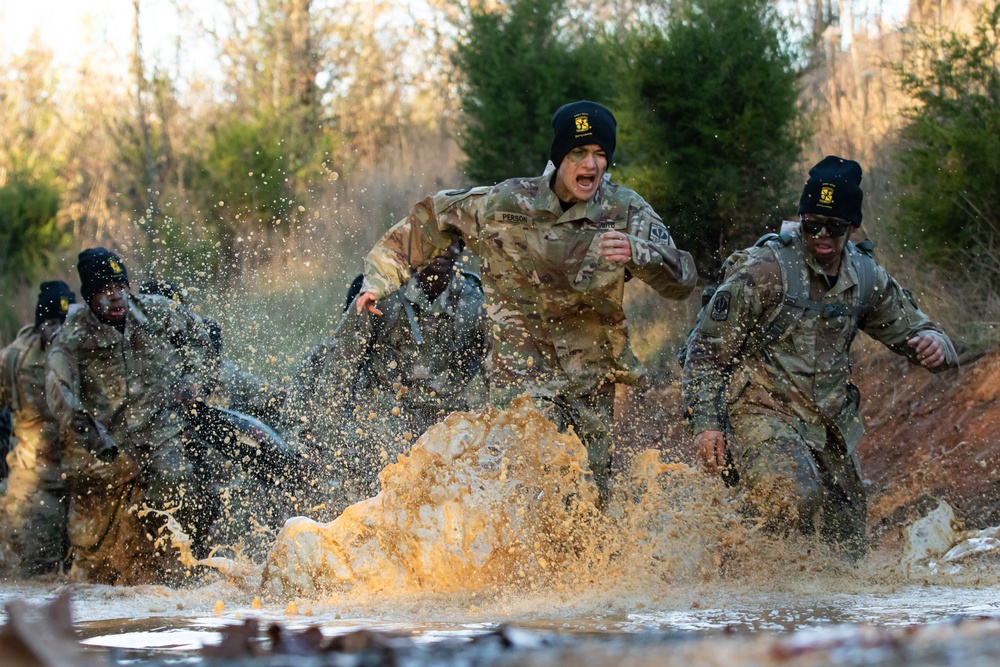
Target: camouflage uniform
x=34 y=505
x=420 y=360
x=132 y=384
x=555 y=306
x=792 y=409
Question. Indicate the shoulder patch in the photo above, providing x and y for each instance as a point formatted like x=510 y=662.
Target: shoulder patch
x=720 y=306
x=512 y=218
x=659 y=234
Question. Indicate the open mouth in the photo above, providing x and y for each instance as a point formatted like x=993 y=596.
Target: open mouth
x=585 y=182
x=116 y=311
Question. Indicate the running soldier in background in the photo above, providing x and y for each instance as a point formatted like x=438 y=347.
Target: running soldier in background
x=556 y=251
x=121 y=376
x=769 y=362
x=34 y=505
x=386 y=380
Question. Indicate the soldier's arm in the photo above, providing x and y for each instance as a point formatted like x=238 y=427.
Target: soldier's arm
x=738 y=308
x=426 y=232
x=331 y=372
x=655 y=259
x=62 y=390
x=895 y=320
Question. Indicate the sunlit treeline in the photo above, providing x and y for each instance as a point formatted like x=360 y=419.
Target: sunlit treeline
x=273 y=166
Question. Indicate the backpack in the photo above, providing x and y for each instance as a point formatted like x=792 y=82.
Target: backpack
x=796 y=301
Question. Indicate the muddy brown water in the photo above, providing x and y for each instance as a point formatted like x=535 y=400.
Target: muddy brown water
x=491 y=523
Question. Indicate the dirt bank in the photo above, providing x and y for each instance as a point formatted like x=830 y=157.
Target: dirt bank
x=930 y=437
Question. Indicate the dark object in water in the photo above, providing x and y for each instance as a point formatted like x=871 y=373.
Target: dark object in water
x=42 y=636
x=248 y=440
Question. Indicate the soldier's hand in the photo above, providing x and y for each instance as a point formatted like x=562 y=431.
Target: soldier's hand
x=367 y=302
x=710 y=450
x=929 y=349
x=614 y=247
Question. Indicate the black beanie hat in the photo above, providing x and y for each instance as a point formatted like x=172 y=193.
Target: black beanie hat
x=98 y=268
x=834 y=188
x=54 y=297
x=581 y=123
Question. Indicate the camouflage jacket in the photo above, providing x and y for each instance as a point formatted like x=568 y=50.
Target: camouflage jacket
x=22 y=388
x=805 y=373
x=419 y=353
x=130 y=383
x=555 y=307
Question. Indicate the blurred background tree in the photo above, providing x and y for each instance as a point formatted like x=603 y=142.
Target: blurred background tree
x=950 y=147
x=518 y=67
x=709 y=113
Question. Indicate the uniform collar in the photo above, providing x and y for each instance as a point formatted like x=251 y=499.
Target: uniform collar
x=848 y=273
x=546 y=199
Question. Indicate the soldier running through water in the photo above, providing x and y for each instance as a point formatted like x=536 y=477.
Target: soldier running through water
x=556 y=251
x=378 y=383
x=34 y=505
x=770 y=358
x=121 y=376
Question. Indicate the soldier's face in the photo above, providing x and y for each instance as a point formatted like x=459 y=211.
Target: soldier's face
x=48 y=331
x=580 y=173
x=109 y=305
x=825 y=238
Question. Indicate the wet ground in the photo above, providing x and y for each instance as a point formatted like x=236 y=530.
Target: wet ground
x=159 y=626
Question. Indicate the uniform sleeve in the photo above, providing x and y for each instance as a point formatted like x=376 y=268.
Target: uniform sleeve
x=738 y=308
x=655 y=259
x=894 y=318
x=426 y=232
x=62 y=390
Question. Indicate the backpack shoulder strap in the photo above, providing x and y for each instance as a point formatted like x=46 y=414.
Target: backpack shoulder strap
x=864 y=258
x=791 y=307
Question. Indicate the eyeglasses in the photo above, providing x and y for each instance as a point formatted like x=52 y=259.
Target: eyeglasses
x=814 y=227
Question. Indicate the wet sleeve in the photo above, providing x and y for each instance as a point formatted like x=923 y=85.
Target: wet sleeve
x=655 y=259
x=62 y=390
x=894 y=318
x=426 y=232
x=735 y=310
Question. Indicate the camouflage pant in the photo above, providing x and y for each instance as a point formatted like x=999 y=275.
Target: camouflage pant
x=793 y=484
x=33 y=510
x=592 y=419
x=110 y=541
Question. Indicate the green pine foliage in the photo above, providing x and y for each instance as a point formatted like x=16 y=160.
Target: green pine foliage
x=30 y=236
x=518 y=70
x=949 y=195
x=709 y=118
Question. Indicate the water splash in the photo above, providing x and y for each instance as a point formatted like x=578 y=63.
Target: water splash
x=500 y=500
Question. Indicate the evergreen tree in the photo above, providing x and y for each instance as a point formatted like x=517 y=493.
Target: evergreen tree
x=518 y=70
x=29 y=238
x=709 y=120
x=950 y=195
